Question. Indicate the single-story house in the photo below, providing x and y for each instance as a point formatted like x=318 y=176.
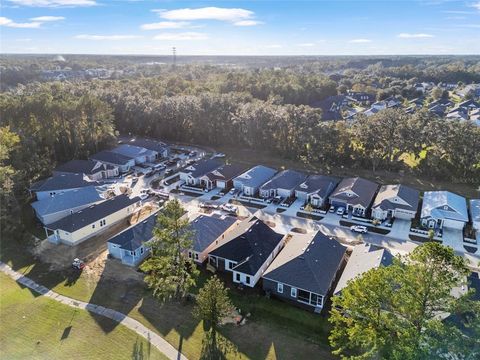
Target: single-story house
x=363 y=258
x=475 y=212
x=139 y=154
x=95 y=170
x=443 y=209
x=131 y=245
x=355 y=195
x=316 y=189
x=248 y=251
x=250 y=181
x=395 y=201
x=223 y=176
x=208 y=232
x=193 y=174
x=159 y=147
x=55 y=185
x=124 y=163
x=283 y=184
x=305 y=270
x=56 y=207
x=93 y=220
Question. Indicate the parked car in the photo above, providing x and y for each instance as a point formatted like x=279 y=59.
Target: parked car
x=143 y=196
x=359 y=229
x=232 y=191
x=78 y=264
x=229 y=208
x=168 y=172
x=219 y=155
x=340 y=211
x=332 y=209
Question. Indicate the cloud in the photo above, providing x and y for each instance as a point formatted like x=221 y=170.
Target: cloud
x=234 y=15
x=414 y=36
x=360 y=41
x=306 y=44
x=106 y=37
x=47 y=18
x=181 y=36
x=476 y=5
x=274 y=46
x=54 y=3
x=165 y=25
x=10 y=23
x=247 y=23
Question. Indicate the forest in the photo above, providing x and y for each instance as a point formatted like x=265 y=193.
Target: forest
x=258 y=108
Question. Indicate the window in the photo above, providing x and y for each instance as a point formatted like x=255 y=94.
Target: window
x=132 y=253
x=141 y=250
x=238 y=277
x=280 y=288
x=190 y=254
x=293 y=292
x=230 y=265
x=303 y=296
x=247 y=278
x=93 y=226
x=196 y=256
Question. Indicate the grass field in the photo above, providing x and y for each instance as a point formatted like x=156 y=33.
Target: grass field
x=35 y=327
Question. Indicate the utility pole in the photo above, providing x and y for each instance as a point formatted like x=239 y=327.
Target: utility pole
x=174 y=51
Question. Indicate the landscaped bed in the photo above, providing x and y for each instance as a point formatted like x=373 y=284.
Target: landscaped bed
x=369 y=227
x=247 y=204
x=422 y=239
x=309 y=216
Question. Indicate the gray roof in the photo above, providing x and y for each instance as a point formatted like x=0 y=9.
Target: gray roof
x=207 y=229
x=251 y=248
x=391 y=197
x=132 y=238
x=149 y=144
x=87 y=216
x=308 y=262
x=363 y=258
x=68 y=200
x=361 y=191
x=202 y=167
x=87 y=167
x=226 y=172
x=444 y=205
x=63 y=182
x=286 y=179
x=475 y=210
x=256 y=176
x=111 y=157
x=318 y=184
x=132 y=151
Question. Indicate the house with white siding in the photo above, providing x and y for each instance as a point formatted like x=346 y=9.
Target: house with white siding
x=223 y=176
x=139 y=154
x=395 y=201
x=159 y=147
x=83 y=224
x=443 y=209
x=355 y=195
x=475 y=213
x=316 y=189
x=122 y=162
x=247 y=252
x=282 y=184
x=193 y=174
x=60 y=184
x=95 y=170
x=250 y=181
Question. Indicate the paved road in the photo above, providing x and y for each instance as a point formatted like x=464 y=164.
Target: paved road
x=161 y=344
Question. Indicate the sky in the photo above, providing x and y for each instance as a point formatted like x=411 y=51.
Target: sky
x=227 y=27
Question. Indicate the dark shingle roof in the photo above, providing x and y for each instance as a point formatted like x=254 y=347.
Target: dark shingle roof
x=226 y=172
x=286 y=179
x=63 y=182
x=318 y=184
x=133 y=237
x=87 y=167
x=362 y=191
x=111 y=157
x=78 y=220
x=149 y=144
x=251 y=248
x=256 y=176
x=203 y=167
x=309 y=263
x=389 y=192
x=207 y=229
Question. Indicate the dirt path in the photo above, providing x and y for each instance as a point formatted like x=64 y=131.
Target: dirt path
x=161 y=344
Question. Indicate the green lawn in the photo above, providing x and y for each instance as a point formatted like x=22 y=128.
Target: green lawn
x=35 y=327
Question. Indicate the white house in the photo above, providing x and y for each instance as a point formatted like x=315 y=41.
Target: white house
x=122 y=162
x=250 y=181
x=443 y=209
x=80 y=226
x=95 y=170
x=282 y=184
x=395 y=201
x=193 y=174
x=60 y=184
x=316 y=189
x=139 y=154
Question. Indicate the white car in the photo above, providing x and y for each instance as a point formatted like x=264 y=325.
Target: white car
x=143 y=196
x=359 y=229
x=340 y=211
x=229 y=208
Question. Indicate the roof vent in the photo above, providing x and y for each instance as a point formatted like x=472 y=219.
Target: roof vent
x=301 y=258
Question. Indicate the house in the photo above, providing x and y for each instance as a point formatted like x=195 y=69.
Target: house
x=159 y=147
x=208 y=232
x=443 y=209
x=55 y=185
x=248 y=251
x=472 y=90
x=139 y=154
x=304 y=271
x=54 y=208
x=475 y=213
x=316 y=189
x=360 y=97
x=93 y=220
x=95 y=170
x=124 y=163
x=364 y=257
x=223 y=176
x=395 y=201
x=355 y=195
x=193 y=174
x=131 y=245
x=332 y=106
x=250 y=181
x=282 y=184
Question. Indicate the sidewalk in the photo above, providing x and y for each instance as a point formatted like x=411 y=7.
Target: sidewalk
x=161 y=344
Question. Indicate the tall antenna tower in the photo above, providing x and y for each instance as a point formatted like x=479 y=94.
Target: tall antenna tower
x=174 y=51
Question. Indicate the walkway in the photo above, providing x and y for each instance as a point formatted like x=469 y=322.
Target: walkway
x=161 y=344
